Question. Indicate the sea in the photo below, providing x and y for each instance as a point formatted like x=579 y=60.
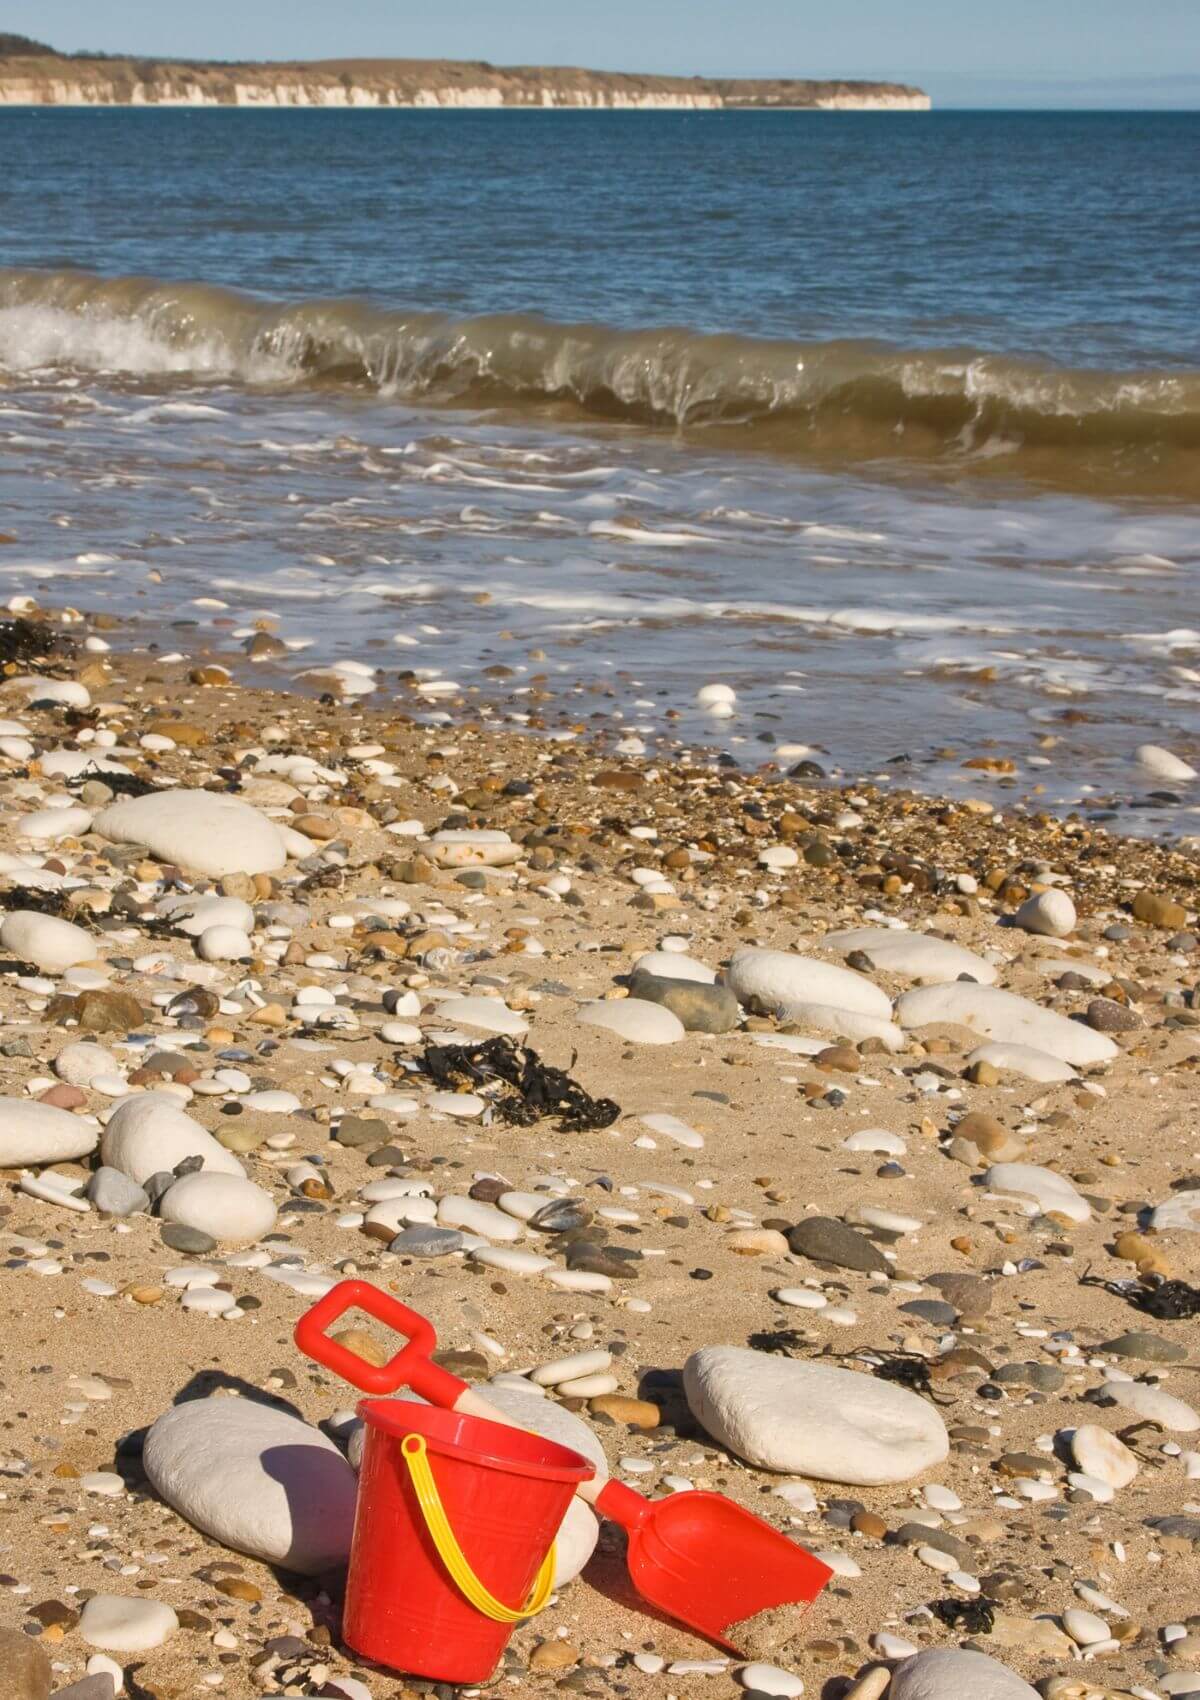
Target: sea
x=888 y=422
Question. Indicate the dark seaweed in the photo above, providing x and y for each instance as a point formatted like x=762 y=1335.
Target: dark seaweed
x=37 y=902
x=1153 y=1295
x=537 y=1090
x=26 y=641
x=908 y=1369
x=1168 y=1301
x=120 y=784
x=977 y=1616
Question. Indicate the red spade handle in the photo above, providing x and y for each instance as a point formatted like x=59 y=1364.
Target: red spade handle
x=410 y=1367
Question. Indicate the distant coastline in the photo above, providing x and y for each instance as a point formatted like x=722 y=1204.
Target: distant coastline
x=34 y=75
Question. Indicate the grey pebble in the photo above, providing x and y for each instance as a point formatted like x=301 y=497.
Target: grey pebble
x=1046 y=1378
x=702 y=1009
x=115 y=1194
x=936 y=1311
x=827 y=1240
x=191 y=1240
x=426 y=1241
x=1146 y=1348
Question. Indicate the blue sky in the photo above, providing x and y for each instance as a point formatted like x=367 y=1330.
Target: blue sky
x=965 y=52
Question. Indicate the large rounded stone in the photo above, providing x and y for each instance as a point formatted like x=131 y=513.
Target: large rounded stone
x=149 y=1133
x=1050 y=913
x=640 y=1022
x=230 y=1209
x=785 y=983
x=1024 y=1060
x=913 y=956
x=48 y=943
x=256 y=1479
x=32 y=1133
x=1004 y=1016
x=1045 y=1188
x=489 y=1015
x=203 y=830
x=949 y=1673
x=1164 y=764
x=811 y=1419
x=674 y=965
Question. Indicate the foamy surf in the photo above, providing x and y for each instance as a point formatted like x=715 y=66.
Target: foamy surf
x=847 y=401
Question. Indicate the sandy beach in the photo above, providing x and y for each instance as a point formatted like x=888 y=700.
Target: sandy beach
x=986 y=1234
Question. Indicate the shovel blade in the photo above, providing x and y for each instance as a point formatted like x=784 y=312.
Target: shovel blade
x=702 y=1559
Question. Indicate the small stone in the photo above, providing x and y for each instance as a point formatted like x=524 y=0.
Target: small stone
x=970 y=1295
x=1105 y=1015
x=38 y=1134
x=99 y=1684
x=1050 y=913
x=24 y=1668
x=45 y=942
x=701 y=1008
x=554 y=1655
x=363 y=1345
x=635 y=1413
x=1158 y=911
x=934 y=1311
x=107 y=1010
x=951 y=1673
x=870 y=1524
x=634 y=1019
x=424 y=1240
x=237 y=1588
x=762 y=1678
x=1146 y=1348
x=990 y=1137
x=826 y=1240
x=940 y=1540
x=361 y=1133
x=117 y=1623
x=756 y=1242
x=1084 y=1627
x=114 y=1194
x=1046 y=1378
x=190 y=1240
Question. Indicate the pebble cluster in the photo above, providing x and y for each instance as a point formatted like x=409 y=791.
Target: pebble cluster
x=893 y=1235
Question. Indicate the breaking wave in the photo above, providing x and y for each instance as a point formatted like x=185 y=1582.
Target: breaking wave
x=843 y=401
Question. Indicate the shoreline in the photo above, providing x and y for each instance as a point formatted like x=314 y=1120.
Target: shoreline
x=297 y=1047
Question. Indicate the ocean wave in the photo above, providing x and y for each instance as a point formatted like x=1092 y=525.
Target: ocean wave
x=845 y=400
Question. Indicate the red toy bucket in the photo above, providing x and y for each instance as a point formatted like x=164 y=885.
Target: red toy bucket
x=442 y=1496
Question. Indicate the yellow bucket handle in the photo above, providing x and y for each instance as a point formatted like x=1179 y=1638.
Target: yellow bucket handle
x=451 y=1554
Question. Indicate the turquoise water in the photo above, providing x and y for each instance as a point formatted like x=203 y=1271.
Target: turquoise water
x=891 y=420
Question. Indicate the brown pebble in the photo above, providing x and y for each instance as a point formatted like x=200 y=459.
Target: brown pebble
x=637 y=1413
x=362 y=1344
x=237 y=1589
x=554 y=1655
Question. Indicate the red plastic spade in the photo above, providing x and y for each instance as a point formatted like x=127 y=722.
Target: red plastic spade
x=696 y=1556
